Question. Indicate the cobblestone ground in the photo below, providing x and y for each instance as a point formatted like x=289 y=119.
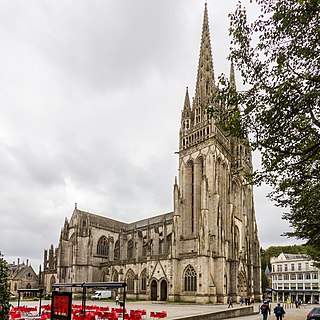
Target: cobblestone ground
x=175 y=310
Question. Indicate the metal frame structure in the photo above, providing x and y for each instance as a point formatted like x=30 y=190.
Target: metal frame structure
x=40 y=290
x=86 y=285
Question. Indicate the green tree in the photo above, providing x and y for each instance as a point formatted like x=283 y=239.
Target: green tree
x=4 y=288
x=278 y=56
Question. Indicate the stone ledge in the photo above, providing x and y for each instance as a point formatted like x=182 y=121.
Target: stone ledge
x=222 y=314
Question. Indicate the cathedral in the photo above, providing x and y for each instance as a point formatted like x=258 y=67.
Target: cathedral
x=206 y=249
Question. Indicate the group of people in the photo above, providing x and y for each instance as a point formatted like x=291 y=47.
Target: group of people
x=247 y=301
x=266 y=310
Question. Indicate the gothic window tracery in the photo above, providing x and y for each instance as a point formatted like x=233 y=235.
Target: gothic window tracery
x=115 y=276
x=168 y=244
x=143 y=280
x=130 y=281
x=103 y=246
x=117 y=250
x=190 y=279
x=130 y=249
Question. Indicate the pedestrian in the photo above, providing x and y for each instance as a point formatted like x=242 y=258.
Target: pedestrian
x=241 y=301
x=265 y=310
x=279 y=312
x=117 y=300
x=230 y=302
x=299 y=303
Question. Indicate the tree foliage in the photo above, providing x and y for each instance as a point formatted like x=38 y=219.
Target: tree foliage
x=4 y=288
x=278 y=56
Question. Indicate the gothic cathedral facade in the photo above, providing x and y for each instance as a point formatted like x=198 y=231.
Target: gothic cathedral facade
x=206 y=249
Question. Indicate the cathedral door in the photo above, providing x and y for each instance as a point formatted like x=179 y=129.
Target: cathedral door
x=154 y=290
x=164 y=290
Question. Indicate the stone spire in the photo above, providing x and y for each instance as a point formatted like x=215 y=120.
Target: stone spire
x=205 y=85
x=187 y=106
x=186 y=113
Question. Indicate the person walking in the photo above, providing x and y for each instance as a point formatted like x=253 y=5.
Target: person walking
x=279 y=312
x=265 y=310
x=117 y=300
x=230 y=302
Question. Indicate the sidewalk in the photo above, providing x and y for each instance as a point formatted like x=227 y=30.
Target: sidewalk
x=175 y=310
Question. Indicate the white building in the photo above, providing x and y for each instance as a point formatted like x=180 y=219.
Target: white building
x=294 y=276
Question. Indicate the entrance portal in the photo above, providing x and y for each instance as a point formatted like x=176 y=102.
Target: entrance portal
x=163 y=290
x=154 y=290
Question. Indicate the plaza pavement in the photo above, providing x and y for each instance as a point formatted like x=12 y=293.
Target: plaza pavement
x=177 y=310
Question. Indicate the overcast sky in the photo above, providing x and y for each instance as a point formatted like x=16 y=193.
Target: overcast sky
x=90 y=96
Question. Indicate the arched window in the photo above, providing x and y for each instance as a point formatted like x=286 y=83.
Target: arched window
x=115 y=276
x=161 y=242
x=103 y=246
x=169 y=240
x=130 y=281
x=143 y=280
x=117 y=250
x=190 y=279
x=130 y=249
x=52 y=281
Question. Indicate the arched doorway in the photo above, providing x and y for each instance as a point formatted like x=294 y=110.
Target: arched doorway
x=154 y=290
x=163 y=290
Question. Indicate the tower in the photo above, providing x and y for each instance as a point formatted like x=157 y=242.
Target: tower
x=214 y=218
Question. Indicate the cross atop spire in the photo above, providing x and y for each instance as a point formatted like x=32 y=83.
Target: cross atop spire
x=205 y=85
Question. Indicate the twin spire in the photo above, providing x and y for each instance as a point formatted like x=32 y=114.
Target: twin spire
x=205 y=85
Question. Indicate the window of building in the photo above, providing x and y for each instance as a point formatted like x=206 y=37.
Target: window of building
x=273 y=269
x=299 y=266
x=190 y=279
x=130 y=281
x=286 y=285
x=307 y=286
x=280 y=277
x=314 y=276
x=285 y=267
x=293 y=286
x=307 y=265
x=161 y=243
x=103 y=246
x=279 y=268
x=315 y=286
x=300 y=276
x=144 y=250
x=280 y=287
x=117 y=250
x=285 y=277
x=143 y=281
x=130 y=249
x=275 y=277
x=307 y=276
x=168 y=244
x=300 y=286
x=292 y=266
x=292 y=277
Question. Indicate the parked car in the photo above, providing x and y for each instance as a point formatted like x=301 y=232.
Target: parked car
x=314 y=314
